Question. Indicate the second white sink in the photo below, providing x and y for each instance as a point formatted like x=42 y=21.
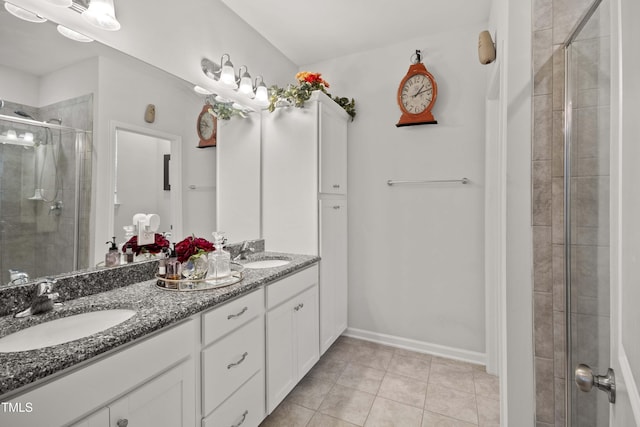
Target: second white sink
x=63 y=330
x=267 y=263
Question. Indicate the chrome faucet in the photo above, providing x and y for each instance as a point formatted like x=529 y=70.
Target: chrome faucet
x=43 y=302
x=244 y=250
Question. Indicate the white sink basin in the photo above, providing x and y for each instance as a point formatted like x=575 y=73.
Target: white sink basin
x=63 y=330
x=267 y=263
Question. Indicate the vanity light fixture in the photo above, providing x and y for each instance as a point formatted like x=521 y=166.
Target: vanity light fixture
x=24 y=14
x=101 y=13
x=73 y=35
x=262 y=95
x=224 y=73
x=246 y=86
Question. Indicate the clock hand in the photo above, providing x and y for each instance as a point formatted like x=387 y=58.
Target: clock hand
x=419 y=91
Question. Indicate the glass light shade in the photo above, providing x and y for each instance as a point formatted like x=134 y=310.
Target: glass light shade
x=73 y=35
x=28 y=136
x=201 y=90
x=101 y=14
x=262 y=96
x=228 y=75
x=246 y=86
x=11 y=134
x=23 y=14
x=61 y=3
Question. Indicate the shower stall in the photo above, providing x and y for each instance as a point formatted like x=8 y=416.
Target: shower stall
x=45 y=188
x=586 y=218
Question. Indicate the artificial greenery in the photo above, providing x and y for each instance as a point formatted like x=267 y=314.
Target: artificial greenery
x=225 y=110
x=297 y=95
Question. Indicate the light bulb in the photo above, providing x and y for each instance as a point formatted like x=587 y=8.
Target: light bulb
x=262 y=96
x=228 y=75
x=11 y=134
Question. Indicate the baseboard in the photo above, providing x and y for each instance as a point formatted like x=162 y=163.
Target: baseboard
x=418 y=346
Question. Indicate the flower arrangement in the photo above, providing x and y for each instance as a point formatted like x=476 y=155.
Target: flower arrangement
x=192 y=246
x=160 y=243
x=298 y=94
x=225 y=110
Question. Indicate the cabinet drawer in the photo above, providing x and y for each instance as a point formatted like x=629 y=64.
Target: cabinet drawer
x=286 y=288
x=244 y=408
x=221 y=320
x=230 y=362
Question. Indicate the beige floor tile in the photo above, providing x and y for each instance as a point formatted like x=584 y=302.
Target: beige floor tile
x=347 y=404
x=453 y=378
x=486 y=385
x=431 y=419
x=440 y=363
x=310 y=392
x=288 y=414
x=410 y=367
x=323 y=420
x=328 y=369
x=378 y=358
x=414 y=354
x=341 y=350
x=387 y=413
x=403 y=389
x=361 y=378
x=452 y=403
x=488 y=412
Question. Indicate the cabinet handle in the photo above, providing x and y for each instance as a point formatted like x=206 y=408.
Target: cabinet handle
x=336 y=207
x=336 y=185
x=244 y=417
x=298 y=307
x=238 y=314
x=123 y=423
x=244 y=356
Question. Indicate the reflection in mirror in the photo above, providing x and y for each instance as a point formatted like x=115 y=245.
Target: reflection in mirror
x=140 y=180
x=45 y=188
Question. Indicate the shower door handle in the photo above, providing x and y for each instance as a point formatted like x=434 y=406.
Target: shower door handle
x=585 y=380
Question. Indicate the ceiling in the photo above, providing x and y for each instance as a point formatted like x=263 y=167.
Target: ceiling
x=312 y=31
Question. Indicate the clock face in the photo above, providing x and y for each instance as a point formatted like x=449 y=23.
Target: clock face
x=417 y=94
x=206 y=126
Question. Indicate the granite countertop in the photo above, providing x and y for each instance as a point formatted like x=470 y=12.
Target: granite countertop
x=155 y=309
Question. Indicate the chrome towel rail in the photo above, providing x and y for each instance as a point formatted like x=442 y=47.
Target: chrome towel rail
x=427 y=181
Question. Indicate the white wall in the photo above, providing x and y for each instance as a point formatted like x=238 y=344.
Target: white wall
x=18 y=86
x=416 y=267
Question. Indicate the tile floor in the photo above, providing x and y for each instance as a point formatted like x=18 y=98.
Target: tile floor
x=359 y=383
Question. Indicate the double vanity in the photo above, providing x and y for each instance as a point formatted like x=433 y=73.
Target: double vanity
x=220 y=357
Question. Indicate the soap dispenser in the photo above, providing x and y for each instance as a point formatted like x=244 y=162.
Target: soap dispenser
x=219 y=259
x=112 y=258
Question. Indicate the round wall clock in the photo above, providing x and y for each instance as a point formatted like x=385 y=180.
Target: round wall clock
x=416 y=95
x=207 y=127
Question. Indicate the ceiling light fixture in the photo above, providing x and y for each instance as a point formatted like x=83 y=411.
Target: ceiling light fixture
x=24 y=14
x=73 y=35
x=101 y=13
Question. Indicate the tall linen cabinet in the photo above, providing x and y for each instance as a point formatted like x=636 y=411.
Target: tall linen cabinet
x=304 y=197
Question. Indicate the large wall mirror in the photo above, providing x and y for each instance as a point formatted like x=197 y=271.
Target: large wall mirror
x=93 y=99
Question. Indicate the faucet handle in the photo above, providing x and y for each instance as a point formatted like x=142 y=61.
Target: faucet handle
x=46 y=286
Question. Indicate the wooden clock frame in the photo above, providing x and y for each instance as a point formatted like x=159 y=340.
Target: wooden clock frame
x=212 y=141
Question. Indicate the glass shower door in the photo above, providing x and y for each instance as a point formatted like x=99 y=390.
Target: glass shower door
x=587 y=147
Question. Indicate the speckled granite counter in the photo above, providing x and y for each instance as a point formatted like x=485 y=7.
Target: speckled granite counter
x=155 y=308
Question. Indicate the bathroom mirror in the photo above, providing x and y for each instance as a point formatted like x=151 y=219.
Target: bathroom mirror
x=34 y=57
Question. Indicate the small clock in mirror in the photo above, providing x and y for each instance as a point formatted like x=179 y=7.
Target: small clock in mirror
x=207 y=127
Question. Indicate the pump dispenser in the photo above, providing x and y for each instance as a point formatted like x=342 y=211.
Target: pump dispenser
x=219 y=259
x=112 y=258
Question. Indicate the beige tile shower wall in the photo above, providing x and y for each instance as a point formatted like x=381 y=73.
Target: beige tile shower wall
x=552 y=23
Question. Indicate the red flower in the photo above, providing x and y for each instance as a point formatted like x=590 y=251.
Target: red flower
x=159 y=244
x=191 y=246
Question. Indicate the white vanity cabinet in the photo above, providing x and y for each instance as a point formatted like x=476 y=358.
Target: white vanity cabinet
x=143 y=377
x=304 y=197
x=233 y=362
x=292 y=332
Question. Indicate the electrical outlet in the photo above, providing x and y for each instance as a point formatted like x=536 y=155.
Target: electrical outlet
x=145 y=235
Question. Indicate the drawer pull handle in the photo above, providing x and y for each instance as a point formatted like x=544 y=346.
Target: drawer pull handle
x=123 y=423
x=238 y=314
x=244 y=356
x=298 y=307
x=336 y=207
x=336 y=185
x=244 y=417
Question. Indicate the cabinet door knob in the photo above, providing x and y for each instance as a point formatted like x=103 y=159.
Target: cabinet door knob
x=122 y=422
x=298 y=307
x=238 y=314
x=336 y=207
x=244 y=417
x=244 y=356
x=336 y=185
